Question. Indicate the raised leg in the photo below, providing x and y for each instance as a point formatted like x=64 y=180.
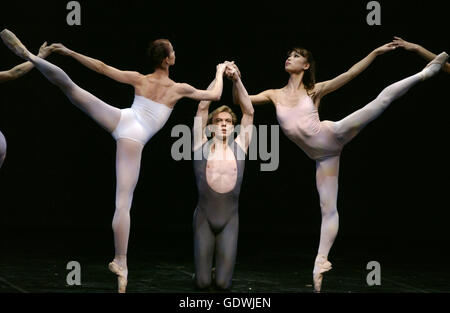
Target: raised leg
x=327 y=174
x=105 y=115
x=128 y=161
x=203 y=250
x=226 y=249
x=347 y=128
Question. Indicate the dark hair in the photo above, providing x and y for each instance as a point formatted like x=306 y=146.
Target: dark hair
x=223 y=108
x=309 y=78
x=158 y=50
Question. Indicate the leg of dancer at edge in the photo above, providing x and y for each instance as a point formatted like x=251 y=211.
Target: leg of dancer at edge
x=296 y=107
x=14 y=73
x=155 y=96
x=219 y=168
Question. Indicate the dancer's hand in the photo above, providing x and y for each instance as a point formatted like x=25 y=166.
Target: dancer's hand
x=232 y=72
x=60 y=48
x=44 y=50
x=385 y=48
x=404 y=44
x=221 y=67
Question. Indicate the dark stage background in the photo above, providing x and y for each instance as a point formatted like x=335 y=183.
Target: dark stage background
x=58 y=181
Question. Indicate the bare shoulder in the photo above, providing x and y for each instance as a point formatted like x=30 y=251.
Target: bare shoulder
x=182 y=88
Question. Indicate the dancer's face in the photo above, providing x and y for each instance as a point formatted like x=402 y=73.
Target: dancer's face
x=171 y=57
x=296 y=63
x=222 y=125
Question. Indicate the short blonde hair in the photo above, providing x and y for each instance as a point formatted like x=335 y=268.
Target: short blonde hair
x=223 y=108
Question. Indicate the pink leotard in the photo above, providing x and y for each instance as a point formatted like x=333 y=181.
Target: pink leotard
x=302 y=125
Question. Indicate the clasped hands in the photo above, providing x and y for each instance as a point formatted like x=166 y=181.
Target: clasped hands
x=230 y=70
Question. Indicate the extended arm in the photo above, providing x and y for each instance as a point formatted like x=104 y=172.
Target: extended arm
x=126 y=77
x=424 y=53
x=24 y=68
x=241 y=96
x=201 y=119
x=323 y=88
x=214 y=94
x=263 y=97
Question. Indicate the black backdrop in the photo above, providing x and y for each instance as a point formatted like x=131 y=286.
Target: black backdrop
x=59 y=175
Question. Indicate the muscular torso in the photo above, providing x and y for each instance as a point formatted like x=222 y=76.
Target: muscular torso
x=161 y=90
x=221 y=169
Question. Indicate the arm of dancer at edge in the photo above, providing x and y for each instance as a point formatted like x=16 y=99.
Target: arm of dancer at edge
x=22 y=69
x=418 y=49
x=134 y=78
x=323 y=88
x=240 y=95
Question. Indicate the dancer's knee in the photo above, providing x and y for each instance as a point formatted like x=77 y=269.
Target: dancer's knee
x=383 y=99
x=329 y=210
x=223 y=283
x=202 y=281
x=123 y=201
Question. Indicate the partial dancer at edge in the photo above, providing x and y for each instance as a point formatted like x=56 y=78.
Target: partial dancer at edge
x=296 y=107
x=419 y=50
x=155 y=96
x=14 y=73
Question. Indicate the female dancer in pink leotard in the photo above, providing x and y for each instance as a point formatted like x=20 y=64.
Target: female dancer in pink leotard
x=297 y=112
x=155 y=96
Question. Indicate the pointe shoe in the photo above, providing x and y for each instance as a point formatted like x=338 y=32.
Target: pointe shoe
x=439 y=60
x=320 y=267
x=14 y=44
x=121 y=280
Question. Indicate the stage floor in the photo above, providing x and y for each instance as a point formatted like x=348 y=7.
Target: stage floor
x=160 y=269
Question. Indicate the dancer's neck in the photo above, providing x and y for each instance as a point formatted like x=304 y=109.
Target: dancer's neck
x=162 y=72
x=295 y=82
x=220 y=143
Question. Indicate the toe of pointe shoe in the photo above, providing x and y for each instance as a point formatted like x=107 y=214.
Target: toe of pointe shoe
x=122 y=284
x=317 y=282
x=440 y=59
x=13 y=43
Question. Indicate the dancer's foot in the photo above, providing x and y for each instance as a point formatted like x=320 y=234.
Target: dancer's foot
x=122 y=274
x=321 y=266
x=434 y=66
x=13 y=43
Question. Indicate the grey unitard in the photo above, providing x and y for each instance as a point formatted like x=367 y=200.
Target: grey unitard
x=216 y=223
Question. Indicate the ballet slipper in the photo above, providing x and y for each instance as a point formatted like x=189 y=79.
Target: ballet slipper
x=14 y=44
x=320 y=267
x=121 y=280
x=439 y=60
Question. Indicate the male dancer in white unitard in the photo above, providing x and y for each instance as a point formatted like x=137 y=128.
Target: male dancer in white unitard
x=155 y=97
